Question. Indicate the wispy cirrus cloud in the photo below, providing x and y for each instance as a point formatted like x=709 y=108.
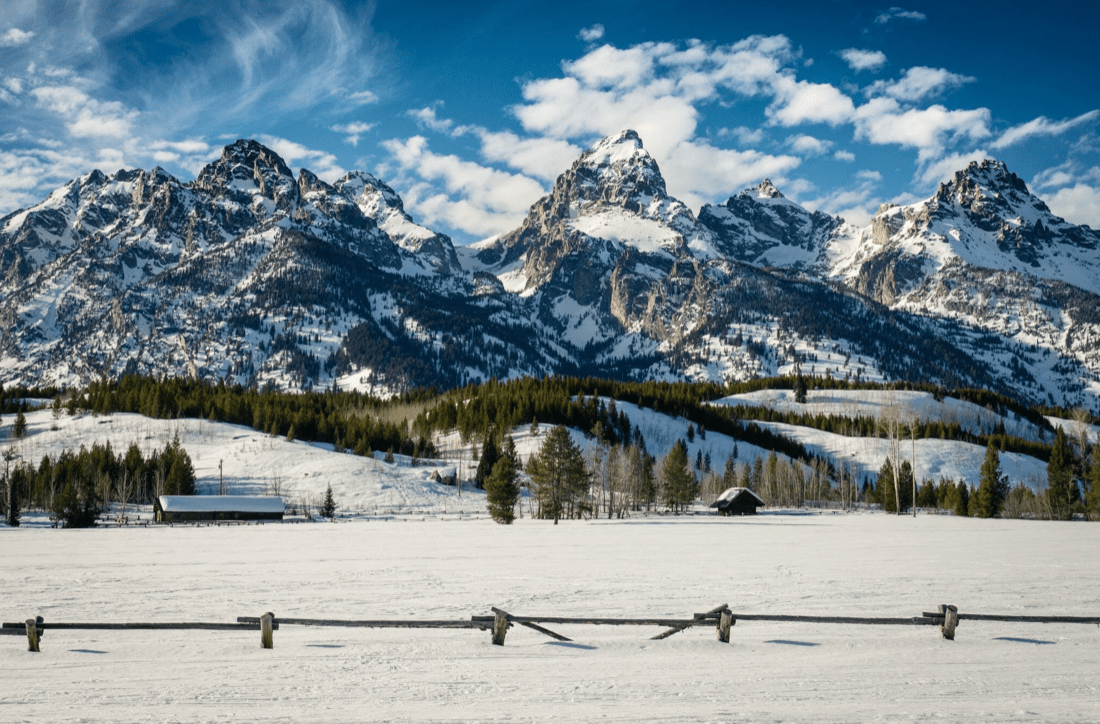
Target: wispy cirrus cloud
x=1042 y=126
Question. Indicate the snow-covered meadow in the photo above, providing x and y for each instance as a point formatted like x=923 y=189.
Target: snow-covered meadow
x=833 y=563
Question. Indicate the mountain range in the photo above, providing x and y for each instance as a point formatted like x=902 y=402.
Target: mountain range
x=253 y=275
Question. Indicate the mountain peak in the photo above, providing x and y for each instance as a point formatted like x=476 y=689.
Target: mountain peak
x=767 y=190
x=989 y=174
x=623 y=147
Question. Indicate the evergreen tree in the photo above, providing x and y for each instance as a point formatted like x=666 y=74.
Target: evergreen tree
x=328 y=507
x=180 y=479
x=490 y=453
x=679 y=483
x=884 y=487
x=1060 y=478
x=800 y=388
x=559 y=475
x=962 y=499
x=20 y=427
x=77 y=506
x=502 y=491
x=1092 y=501
x=993 y=488
x=729 y=474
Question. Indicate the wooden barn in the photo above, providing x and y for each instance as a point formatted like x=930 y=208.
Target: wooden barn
x=737 y=501
x=194 y=508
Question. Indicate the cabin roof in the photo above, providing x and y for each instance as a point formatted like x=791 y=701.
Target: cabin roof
x=729 y=494
x=221 y=504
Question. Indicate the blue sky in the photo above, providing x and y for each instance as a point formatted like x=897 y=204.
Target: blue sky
x=471 y=109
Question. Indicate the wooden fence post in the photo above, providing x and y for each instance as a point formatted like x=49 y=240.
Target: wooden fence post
x=32 y=633
x=950 y=621
x=500 y=627
x=724 y=623
x=267 y=638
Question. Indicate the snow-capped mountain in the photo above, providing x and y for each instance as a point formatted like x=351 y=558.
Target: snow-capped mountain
x=253 y=275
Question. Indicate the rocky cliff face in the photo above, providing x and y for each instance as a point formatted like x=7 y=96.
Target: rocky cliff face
x=252 y=274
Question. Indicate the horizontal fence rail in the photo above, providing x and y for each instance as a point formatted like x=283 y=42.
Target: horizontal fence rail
x=498 y=623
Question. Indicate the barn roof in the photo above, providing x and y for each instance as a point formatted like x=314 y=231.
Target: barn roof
x=730 y=493
x=221 y=504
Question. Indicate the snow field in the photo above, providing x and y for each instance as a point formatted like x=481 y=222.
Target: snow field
x=855 y=564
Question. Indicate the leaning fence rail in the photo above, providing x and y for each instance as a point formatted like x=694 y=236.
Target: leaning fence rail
x=947 y=617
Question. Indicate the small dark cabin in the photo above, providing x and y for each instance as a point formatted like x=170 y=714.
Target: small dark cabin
x=737 y=501
x=194 y=508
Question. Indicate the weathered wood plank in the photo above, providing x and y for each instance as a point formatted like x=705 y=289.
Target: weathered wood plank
x=198 y=626
x=911 y=621
x=267 y=621
x=533 y=626
x=500 y=627
x=1094 y=620
x=677 y=629
x=724 y=625
x=380 y=623
x=31 y=627
x=950 y=621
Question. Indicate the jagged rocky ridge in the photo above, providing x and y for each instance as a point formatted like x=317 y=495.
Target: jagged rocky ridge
x=251 y=274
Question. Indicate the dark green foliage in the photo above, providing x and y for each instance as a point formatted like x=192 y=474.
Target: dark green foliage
x=678 y=483
x=19 y=429
x=993 y=488
x=559 y=476
x=315 y=416
x=885 y=492
x=1092 y=499
x=490 y=453
x=328 y=507
x=800 y=388
x=1060 y=482
x=926 y=495
x=180 y=478
x=502 y=491
x=961 y=502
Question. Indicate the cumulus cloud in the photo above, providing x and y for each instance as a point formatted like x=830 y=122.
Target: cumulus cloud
x=798 y=102
x=364 y=97
x=918 y=83
x=843 y=155
x=944 y=169
x=321 y=163
x=84 y=115
x=860 y=60
x=353 y=131
x=1041 y=126
x=544 y=158
x=881 y=121
x=1078 y=204
x=745 y=136
x=15 y=37
x=465 y=195
x=808 y=145
x=701 y=170
x=591 y=34
x=899 y=14
x=427 y=118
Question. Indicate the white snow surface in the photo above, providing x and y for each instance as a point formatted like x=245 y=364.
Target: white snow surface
x=832 y=564
x=646 y=235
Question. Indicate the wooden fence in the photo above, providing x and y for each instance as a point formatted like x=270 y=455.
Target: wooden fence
x=499 y=621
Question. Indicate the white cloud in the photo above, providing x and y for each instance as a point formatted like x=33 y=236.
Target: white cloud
x=881 y=121
x=1079 y=204
x=321 y=163
x=15 y=37
x=611 y=67
x=869 y=175
x=859 y=60
x=701 y=173
x=808 y=145
x=86 y=117
x=1041 y=126
x=842 y=155
x=591 y=34
x=745 y=136
x=899 y=14
x=427 y=118
x=798 y=102
x=544 y=158
x=919 y=82
x=1064 y=175
x=944 y=169
x=475 y=199
x=363 y=98
x=353 y=131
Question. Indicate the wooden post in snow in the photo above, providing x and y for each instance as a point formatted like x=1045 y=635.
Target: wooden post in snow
x=950 y=621
x=725 y=622
x=267 y=638
x=500 y=627
x=32 y=633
